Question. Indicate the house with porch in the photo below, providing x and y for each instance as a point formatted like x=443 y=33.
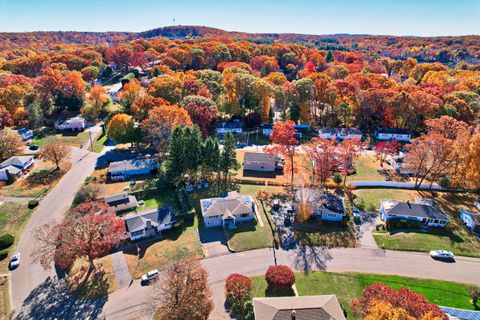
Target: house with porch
x=149 y=223
x=424 y=211
x=325 y=307
x=229 y=211
x=121 y=202
x=12 y=168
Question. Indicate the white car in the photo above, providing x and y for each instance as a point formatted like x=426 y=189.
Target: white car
x=442 y=254
x=14 y=261
x=151 y=275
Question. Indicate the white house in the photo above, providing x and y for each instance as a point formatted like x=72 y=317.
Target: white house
x=121 y=202
x=339 y=133
x=149 y=223
x=326 y=206
x=227 y=212
x=74 y=124
x=261 y=162
x=387 y=134
x=15 y=166
x=234 y=126
x=424 y=211
x=114 y=91
x=25 y=134
x=121 y=170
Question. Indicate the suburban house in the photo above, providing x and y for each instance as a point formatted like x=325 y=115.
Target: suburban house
x=228 y=211
x=149 y=223
x=121 y=170
x=14 y=167
x=114 y=90
x=121 y=202
x=25 y=134
x=300 y=129
x=397 y=164
x=73 y=124
x=234 y=126
x=471 y=220
x=339 y=133
x=324 y=307
x=424 y=211
x=326 y=206
x=387 y=134
x=262 y=162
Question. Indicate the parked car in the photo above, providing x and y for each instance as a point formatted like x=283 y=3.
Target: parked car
x=33 y=147
x=14 y=261
x=150 y=276
x=357 y=218
x=442 y=255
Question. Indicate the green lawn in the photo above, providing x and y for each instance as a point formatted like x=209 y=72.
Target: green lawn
x=369 y=199
x=159 y=198
x=98 y=145
x=260 y=289
x=349 y=286
x=366 y=167
x=251 y=189
x=252 y=236
x=67 y=138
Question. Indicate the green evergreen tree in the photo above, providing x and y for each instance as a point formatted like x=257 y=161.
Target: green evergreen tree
x=228 y=158
x=329 y=57
x=176 y=159
x=192 y=151
x=211 y=157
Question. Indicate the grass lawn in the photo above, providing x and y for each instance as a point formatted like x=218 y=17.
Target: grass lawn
x=260 y=289
x=4 y=298
x=366 y=167
x=348 y=286
x=74 y=139
x=176 y=244
x=98 y=145
x=369 y=199
x=100 y=283
x=159 y=198
x=251 y=189
x=329 y=235
x=252 y=236
x=13 y=218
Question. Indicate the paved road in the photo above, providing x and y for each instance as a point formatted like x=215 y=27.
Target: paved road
x=393 y=185
x=30 y=276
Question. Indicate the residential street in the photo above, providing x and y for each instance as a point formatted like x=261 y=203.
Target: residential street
x=29 y=276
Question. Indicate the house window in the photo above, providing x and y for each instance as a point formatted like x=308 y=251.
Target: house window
x=244 y=215
x=213 y=217
x=435 y=221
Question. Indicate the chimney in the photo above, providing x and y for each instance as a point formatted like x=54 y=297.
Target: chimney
x=148 y=224
x=294 y=315
x=409 y=205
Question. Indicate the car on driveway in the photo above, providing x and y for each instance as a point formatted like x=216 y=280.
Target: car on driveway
x=150 y=276
x=442 y=255
x=357 y=218
x=14 y=261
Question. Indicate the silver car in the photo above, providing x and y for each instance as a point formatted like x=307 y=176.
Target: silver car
x=442 y=254
x=14 y=261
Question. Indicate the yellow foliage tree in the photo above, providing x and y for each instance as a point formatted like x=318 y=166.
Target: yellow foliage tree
x=383 y=310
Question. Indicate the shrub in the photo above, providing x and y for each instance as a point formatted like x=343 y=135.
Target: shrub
x=6 y=240
x=416 y=305
x=280 y=277
x=337 y=178
x=237 y=293
x=474 y=294
x=32 y=204
x=3 y=254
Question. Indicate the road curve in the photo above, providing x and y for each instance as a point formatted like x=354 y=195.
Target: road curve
x=30 y=275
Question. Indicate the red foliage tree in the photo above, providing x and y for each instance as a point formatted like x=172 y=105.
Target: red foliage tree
x=280 y=277
x=202 y=116
x=237 y=287
x=415 y=304
x=384 y=149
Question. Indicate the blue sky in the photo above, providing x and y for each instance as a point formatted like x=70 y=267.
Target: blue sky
x=401 y=17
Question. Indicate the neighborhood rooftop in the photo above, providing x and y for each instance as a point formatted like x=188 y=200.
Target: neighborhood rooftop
x=132 y=164
x=234 y=203
x=159 y=216
x=324 y=307
x=393 y=130
x=340 y=131
x=18 y=161
x=420 y=210
x=118 y=199
x=259 y=157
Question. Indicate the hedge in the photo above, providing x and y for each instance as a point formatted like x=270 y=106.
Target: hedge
x=32 y=204
x=6 y=240
x=3 y=254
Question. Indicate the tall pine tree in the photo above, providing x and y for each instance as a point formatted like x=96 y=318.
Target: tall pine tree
x=228 y=158
x=176 y=158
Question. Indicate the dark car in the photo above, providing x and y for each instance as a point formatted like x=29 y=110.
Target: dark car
x=33 y=147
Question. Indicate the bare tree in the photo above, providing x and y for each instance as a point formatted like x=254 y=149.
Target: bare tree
x=55 y=152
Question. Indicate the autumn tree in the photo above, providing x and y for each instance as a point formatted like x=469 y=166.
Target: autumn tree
x=120 y=56
x=97 y=97
x=89 y=231
x=183 y=292
x=385 y=149
x=166 y=87
x=202 y=111
x=323 y=155
x=54 y=151
x=10 y=143
x=143 y=104
x=265 y=90
x=383 y=310
x=348 y=152
x=285 y=142
x=130 y=92
x=280 y=277
x=160 y=122
x=238 y=290
x=228 y=158
x=121 y=128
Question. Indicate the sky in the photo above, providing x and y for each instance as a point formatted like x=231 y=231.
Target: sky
x=400 y=17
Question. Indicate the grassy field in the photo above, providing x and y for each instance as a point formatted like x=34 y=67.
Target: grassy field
x=252 y=237
x=74 y=139
x=98 y=145
x=100 y=283
x=251 y=189
x=369 y=199
x=177 y=244
x=349 y=286
x=366 y=167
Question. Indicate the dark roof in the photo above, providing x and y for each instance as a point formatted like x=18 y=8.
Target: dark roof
x=230 y=124
x=17 y=161
x=332 y=202
x=340 y=131
x=159 y=216
x=259 y=157
x=393 y=130
x=415 y=210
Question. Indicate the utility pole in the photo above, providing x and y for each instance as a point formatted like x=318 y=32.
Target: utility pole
x=91 y=143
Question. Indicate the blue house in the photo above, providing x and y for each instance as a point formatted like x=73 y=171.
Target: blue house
x=25 y=134
x=423 y=211
x=471 y=220
x=326 y=206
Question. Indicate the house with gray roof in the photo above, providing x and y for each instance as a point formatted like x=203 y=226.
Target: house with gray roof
x=149 y=223
x=325 y=307
x=14 y=167
x=121 y=170
x=326 y=206
x=339 y=133
x=227 y=212
x=121 y=202
x=264 y=162
x=424 y=211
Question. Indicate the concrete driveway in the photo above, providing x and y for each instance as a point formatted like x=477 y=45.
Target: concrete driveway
x=214 y=241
